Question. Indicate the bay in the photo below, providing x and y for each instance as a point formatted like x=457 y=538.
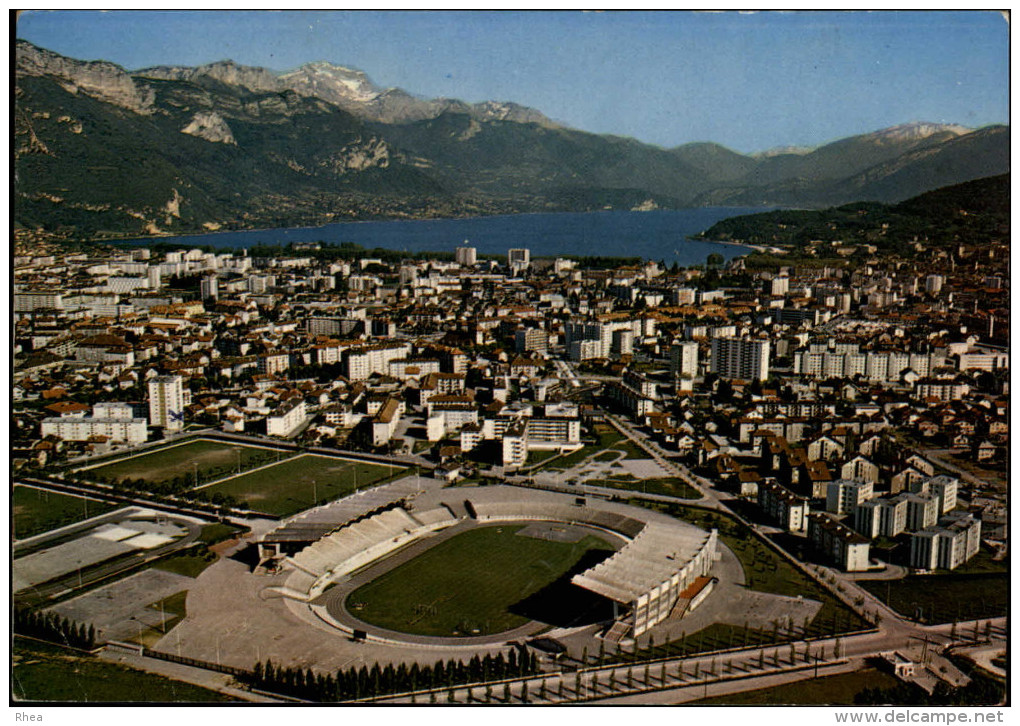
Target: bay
x=653 y=235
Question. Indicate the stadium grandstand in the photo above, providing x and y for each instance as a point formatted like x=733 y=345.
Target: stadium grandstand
x=314 y=524
x=663 y=570
x=653 y=574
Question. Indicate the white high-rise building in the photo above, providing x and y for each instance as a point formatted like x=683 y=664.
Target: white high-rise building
x=518 y=259
x=467 y=256
x=743 y=359
x=683 y=359
x=210 y=288
x=166 y=402
x=779 y=286
x=843 y=495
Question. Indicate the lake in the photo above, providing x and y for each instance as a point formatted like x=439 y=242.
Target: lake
x=655 y=235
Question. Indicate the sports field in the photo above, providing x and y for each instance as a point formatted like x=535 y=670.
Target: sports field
x=473 y=584
x=946 y=597
x=36 y=511
x=208 y=459
x=43 y=672
x=302 y=482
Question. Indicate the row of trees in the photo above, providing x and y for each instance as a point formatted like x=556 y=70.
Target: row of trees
x=355 y=683
x=169 y=487
x=215 y=502
x=54 y=628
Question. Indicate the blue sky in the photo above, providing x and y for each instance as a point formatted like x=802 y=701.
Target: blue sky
x=747 y=81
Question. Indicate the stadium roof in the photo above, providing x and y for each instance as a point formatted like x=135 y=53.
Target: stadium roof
x=320 y=521
x=652 y=557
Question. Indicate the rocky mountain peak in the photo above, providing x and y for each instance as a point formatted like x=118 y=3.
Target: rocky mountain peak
x=99 y=79
x=916 y=131
x=333 y=83
x=253 y=78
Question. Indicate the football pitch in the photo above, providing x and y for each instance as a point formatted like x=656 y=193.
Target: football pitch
x=35 y=511
x=205 y=459
x=482 y=581
x=302 y=482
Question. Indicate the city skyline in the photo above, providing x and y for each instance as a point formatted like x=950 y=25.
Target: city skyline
x=748 y=81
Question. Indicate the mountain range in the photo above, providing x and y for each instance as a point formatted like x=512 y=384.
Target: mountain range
x=104 y=152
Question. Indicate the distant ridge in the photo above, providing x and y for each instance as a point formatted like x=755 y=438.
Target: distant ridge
x=103 y=152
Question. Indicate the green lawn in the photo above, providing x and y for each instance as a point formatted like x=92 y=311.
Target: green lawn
x=468 y=583
x=606 y=437
x=35 y=511
x=835 y=690
x=302 y=482
x=189 y=563
x=669 y=486
x=210 y=459
x=540 y=455
x=173 y=606
x=44 y=672
x=945 y=598
x=632 y=450
x=213 y=533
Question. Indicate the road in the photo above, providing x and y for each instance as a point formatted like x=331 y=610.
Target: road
x=676 y=680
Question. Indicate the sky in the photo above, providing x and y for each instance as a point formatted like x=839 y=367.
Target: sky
x=748 y=81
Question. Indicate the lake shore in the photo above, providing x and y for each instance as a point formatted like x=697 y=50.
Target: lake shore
x=666 y=235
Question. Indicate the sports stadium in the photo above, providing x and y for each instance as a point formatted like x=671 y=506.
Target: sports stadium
x=412 y=562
